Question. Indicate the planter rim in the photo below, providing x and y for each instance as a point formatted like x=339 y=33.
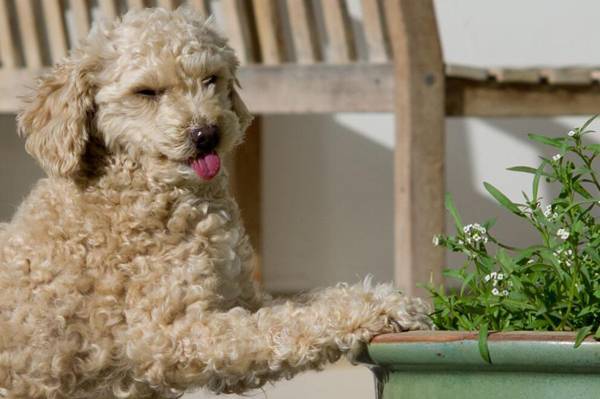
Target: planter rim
x=459 y=351
x=453 y=336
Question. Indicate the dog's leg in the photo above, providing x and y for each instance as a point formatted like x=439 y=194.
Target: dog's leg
x=238 y=350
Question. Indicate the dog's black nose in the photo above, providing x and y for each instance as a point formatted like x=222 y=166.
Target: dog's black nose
x=205 y=138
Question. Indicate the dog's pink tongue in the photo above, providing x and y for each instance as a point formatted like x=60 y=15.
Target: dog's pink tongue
x=207 y=166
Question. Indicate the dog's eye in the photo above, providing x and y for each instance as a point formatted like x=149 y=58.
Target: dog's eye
x=147 y=92
x=211 y=80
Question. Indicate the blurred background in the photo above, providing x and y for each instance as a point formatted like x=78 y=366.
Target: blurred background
x=327 y=195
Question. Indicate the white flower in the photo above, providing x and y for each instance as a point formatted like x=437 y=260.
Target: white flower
x=563 y=233
x=500 y=276
x=505 y=292
x=487 y=278
x=556 y=157
x=548 y=213
x=475 y=233
x=495 y=291
x=436 y=240
x=571 y=133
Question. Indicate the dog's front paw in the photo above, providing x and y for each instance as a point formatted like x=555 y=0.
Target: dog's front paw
x=383 y=310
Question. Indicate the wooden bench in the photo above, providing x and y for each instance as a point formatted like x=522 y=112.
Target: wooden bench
x=291 y=66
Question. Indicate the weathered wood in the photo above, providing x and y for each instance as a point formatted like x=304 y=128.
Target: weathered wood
x=303 y=28
x=8 y=51
x=339 y=32
x=567 y=76
x=81 y=19
x=108 y=8
x=323 y=88
x=419 y=149
x=516 y=75
x=57 y=35
x=202 y=7
x=245 y=181
x=469 y=98
x=168 y=4
x=466 y=72
x=135 y=4
x=318 y=88
x=238 y=29
x=375 y=34
x=269 y=31
x=29 y=35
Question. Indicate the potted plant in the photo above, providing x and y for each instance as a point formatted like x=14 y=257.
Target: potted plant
x=522 y=321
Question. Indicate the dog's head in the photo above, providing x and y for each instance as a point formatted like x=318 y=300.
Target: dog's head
x=157 y=87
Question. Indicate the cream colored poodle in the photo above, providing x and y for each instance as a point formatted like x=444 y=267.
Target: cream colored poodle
x=126 y=272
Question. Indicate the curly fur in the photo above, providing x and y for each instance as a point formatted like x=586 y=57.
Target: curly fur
x=123 y=274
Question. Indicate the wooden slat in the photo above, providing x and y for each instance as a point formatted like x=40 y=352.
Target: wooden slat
x=302 y=25
x=319 y=88
x=29 y=37
x=469 y=98
x=269 y=32
x=168 y=4
x=466 y=72
x=238 y=28
x=8 y=51
x=516 y=75
x=57 y=35
x=419 y=150
x=135 y=4
x=377 y=43
x=202 y=7
x=339 y=33
x=108 y=8
x=596 y=75
x=567 y=76
x=245 y=180
x=323 y=88
x=81 y=18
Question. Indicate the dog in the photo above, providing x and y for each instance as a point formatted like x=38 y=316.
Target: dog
x=127 y=273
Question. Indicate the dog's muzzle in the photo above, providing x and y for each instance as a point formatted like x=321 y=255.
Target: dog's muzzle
x=207 y=162
x=205 y=138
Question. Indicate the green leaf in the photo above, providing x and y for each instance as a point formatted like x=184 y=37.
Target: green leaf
x=595 y=148
x=587 y=123
x=484 y=350
x=502 y=199
x=554 y=142
x=536 y=182
x=452 y=209
x=597 y=335
x=582 y=191
x=466 y=282
x=582 y=334
x=523 y=169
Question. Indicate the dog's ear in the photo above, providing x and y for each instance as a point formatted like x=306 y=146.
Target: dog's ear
x=238 y=106
x=56 y=119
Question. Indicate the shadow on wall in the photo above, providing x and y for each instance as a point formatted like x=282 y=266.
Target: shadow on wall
x=18 y=171
x=328 y=196
x=327 y=204
x=480 y=150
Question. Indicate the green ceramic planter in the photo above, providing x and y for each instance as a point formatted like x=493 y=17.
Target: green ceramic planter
x=447 y=365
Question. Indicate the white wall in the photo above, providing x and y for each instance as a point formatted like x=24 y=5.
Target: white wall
x=328 y=179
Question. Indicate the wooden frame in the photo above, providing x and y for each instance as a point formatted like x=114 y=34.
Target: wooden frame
x=402 y=72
